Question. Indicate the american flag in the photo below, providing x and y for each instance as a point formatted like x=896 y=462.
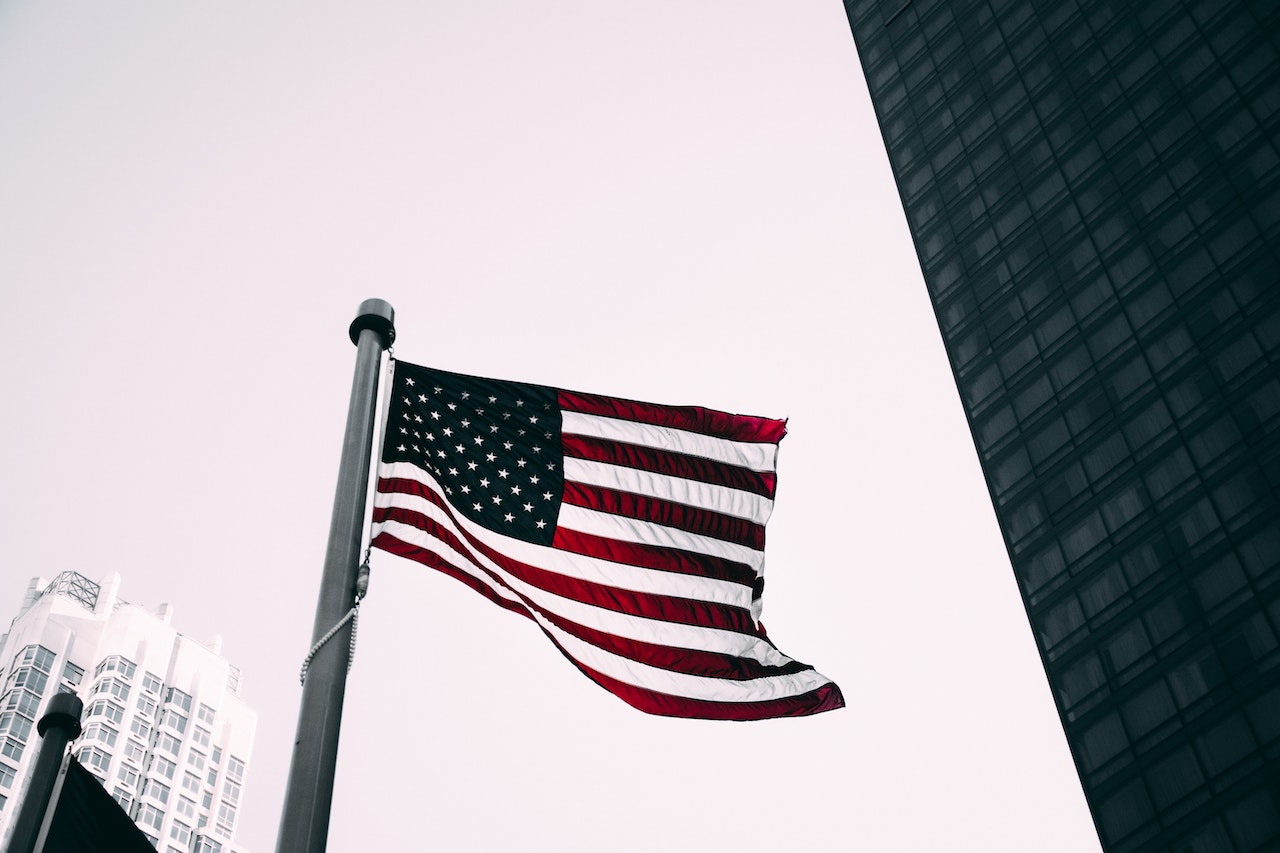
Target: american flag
x=632 y=534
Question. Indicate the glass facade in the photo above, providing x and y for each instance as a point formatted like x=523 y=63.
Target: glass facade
x=1093 y=189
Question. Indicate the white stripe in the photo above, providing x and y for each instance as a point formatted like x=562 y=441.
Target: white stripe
x=630 y=671
x=611 y=622
x=640 y=532
x=683 y=684
x=757 y=456
x=567 y=563
x=733 y=502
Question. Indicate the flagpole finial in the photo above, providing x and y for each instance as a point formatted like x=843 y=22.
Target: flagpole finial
x=378 y=315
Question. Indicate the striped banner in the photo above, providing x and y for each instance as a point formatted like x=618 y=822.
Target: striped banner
x=632 y=534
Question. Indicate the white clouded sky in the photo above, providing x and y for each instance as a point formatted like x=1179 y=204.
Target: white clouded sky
x=685 y=202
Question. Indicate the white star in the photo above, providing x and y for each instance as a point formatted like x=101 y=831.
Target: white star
x=484 y=481
x=506 y=445
x=534 y=479
x=528 y=507
x=417 y=419
x=520 y=463
x=493 y=428
x=435 y=416
x=440 y=453
x=519 y=432
x=466 y=490
x=497 y=499
x=448 y=430
x=431 y=436
x=491 y=457
x=546 y=496
x=519 y=403
x=533 y=419
x=493 y=399
x=453 y=407
x=408 y=380
x=551 y=466
x=541 y=524
x=422 y=398
x=466 y=423
x=506 y=416
x=510 y=517
x=502 y=472
x=537 y=449
x=476 y=507
x=401 y=448
x=453 y=472
x=404 y=430
x=416 y=448
x=407 y=401
x=471 y=466
x=479 y=440
x=438 y=389
x=466 y=394
x=459 y=447
x=515 y=490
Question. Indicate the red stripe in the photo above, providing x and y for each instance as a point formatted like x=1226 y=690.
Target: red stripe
x=647 y=605
x=824 y=698
x=691 y=661
x=653 y=557
x=704 y=522
x=667 y=462
x=392 y=545
x=691 y=418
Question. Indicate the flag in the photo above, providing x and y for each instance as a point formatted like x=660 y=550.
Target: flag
x=632 y=534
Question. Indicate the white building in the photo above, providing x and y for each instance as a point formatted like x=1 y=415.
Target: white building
x=165 y=729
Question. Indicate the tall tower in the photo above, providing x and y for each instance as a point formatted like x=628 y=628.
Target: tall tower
x=165 y=729
x=1093 y=189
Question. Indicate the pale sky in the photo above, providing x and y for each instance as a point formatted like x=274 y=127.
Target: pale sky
x=684 y=202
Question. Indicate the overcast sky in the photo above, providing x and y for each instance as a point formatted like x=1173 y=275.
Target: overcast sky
x=683 y=201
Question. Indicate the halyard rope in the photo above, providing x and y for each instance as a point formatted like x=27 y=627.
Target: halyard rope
x=353 y=616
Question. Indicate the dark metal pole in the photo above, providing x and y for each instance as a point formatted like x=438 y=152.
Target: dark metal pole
x=59 y=726
x=304 y=823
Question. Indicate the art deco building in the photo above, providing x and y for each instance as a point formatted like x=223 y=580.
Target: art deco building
x=165 y=728
x=1093 y=189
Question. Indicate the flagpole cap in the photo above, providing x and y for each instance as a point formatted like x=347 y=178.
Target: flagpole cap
x=63 y=712
x=378 y=315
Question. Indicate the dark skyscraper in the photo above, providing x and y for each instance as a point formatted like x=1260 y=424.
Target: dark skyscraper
x=1093 y=188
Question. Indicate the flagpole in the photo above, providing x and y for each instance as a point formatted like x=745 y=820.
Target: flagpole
x=304 y=823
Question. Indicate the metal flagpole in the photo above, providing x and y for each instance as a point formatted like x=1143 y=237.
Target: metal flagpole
x=304 y=823
x=59 y=726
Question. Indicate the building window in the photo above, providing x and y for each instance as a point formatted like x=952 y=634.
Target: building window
x=71 y=676
x=205 y=714
x=116 y=663
x=157 y=791
x=151 y=683
x=171 y=718
x=207 y=845
x=108 y=708
x=163 y=767
x=140 y=727
x=7 y=774
x=134 y=751
x=191 y=782
x=180 y=832
x=196 y=759
x=128 y=775
x=186 y=808
x=149 y=815
x=226 y=818
x=200 y=736
x=146 y=705
x=231 y=792
x=123 y=797
x=235 y=769
x=174 y=696
x=96 y=758
x=113 y=686
x=168 y=743
x=101 y=732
